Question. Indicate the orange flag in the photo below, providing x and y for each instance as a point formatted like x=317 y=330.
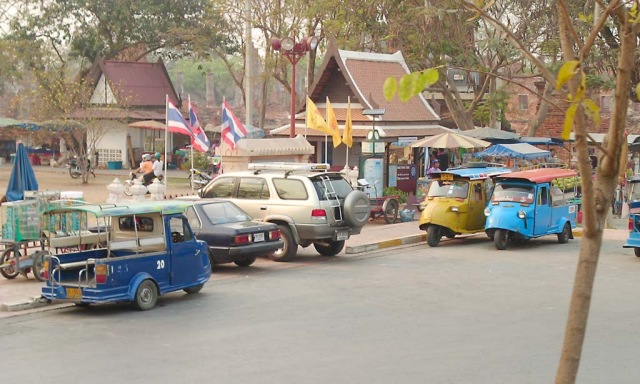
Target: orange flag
x=347 y=134
x=333 y=125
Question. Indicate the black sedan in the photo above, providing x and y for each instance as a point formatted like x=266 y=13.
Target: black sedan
x=233 y=236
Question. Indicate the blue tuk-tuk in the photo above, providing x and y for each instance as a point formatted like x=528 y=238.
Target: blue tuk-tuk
x=633 y=185
x=133 y=253
x=533 y=203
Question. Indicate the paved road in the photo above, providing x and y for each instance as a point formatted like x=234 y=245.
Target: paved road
x=459 y=313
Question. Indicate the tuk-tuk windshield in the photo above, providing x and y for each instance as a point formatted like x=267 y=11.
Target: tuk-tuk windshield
x=513 y=192
x=442 y=188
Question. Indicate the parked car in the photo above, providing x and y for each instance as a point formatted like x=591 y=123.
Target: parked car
x=533 y=203
x=232 y=235
x=309 y=204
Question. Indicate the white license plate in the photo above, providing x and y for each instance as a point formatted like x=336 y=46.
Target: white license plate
x=258 y=237
x=342 y=235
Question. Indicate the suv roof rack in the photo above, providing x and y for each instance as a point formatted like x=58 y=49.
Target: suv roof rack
x=288 y=167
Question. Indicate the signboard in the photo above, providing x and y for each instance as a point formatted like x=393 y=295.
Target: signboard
x=407 y=177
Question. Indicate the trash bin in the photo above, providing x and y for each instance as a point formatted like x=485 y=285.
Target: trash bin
x=114 y=164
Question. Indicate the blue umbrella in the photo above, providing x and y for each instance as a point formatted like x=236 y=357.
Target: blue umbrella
x=22 y=176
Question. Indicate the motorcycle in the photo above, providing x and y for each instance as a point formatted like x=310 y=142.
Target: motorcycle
x=74 y=168
x=131 y=181
x=198 y=179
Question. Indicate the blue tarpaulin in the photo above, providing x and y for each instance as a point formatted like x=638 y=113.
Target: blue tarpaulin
x=514 y=151
x=22 y=176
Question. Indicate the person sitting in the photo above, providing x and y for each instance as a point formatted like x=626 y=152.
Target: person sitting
x=146 y=168
x=158 y=166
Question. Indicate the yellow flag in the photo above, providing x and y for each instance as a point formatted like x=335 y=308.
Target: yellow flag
x=333 y=125
x=314 y=118
x=347 y=135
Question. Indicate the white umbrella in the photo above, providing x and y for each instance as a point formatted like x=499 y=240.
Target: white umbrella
x=450 y=140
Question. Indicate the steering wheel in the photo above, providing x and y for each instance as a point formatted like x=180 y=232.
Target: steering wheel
x=177 y=237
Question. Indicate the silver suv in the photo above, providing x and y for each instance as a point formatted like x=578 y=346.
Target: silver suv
x=310 y=206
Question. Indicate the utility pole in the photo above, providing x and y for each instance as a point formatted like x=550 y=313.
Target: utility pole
x=248 y=65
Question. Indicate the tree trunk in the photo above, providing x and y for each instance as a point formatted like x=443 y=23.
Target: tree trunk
x=596 y=198
x=542 y=111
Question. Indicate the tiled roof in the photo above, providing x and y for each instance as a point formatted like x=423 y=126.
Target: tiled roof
x=272 y=146
x=115 y=114
x=369 y=71
x=136 y=83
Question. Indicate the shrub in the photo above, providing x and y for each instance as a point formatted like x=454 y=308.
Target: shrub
x=395 y=191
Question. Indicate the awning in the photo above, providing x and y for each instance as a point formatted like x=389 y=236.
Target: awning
x=148 y=124
x=515 y=151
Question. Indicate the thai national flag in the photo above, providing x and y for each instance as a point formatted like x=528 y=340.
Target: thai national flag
x=199 y=141
x=175 y=122
x=232 y=128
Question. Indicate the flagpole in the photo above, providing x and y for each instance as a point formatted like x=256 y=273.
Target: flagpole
x=166 y=140
x=224 y=98
x=346 y=161
x=189 y=106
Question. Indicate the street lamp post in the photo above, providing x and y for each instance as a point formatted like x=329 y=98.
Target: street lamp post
x=373 y=135
x=294 y=50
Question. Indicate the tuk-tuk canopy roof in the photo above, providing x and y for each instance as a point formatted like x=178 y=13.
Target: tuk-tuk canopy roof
x=541 y=175
x=123 y=209
x=475 y=173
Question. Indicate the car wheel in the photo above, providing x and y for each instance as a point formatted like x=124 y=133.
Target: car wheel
x=357 y=209
x=390 y=211
x=433 y=235
x=289 y=246
x=192 y=290
x=563 y=237
x=146 y=295
x=636 y=251
x=500 y=239
x=245 y=262
x=330 y=249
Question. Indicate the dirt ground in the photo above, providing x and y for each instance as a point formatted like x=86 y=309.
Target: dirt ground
x=58 y=179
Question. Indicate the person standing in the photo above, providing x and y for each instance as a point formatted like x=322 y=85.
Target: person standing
x=435 y=168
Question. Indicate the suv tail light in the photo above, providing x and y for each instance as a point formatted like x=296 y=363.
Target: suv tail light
x=274 y=235
x=102 y=271
x=319 y=214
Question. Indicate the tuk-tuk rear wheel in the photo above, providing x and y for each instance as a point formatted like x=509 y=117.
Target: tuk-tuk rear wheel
x=636 y=251
x=563 y=237
x=433 y=235
x=146 y=295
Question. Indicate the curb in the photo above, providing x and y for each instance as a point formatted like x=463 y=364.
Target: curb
x=34 y=302
x=350 y=250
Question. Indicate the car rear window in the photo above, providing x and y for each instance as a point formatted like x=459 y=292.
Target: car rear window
x=290 y=189
x=338 y=183
x=224 y=212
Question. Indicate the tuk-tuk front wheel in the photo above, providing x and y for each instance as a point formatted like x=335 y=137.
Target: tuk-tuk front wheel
x=146 y=295
x=433 y=235
x=500 y=238
x=636 y=251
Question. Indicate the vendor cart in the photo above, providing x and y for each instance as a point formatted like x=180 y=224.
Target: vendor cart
x=22 y=257
x=385 y=206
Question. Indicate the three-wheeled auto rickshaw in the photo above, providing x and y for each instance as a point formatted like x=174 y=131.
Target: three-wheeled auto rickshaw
x=531 y=204
x=149 y=250
x=456 y=200
x=633 y=193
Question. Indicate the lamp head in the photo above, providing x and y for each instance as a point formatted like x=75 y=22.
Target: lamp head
x=276 y=44
x=287 y=43
x=312 y=43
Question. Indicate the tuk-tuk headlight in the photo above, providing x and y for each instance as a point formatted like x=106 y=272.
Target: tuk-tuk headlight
x=487 y=211
x=454 y=209
x=522 y=214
